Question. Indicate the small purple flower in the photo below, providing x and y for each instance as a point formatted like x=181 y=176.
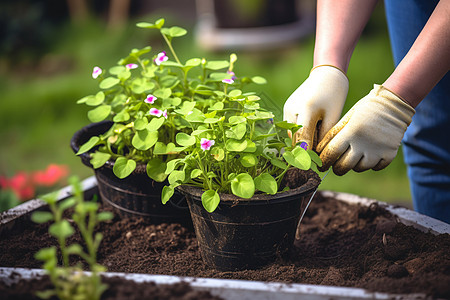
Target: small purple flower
x=164 y=113
x=156 y=112
x=150 y=99
x=96 y=72
x=161 y=57
x=233 y=76
x=131 y=66
x=206 y=144
x=304 y=145
x=228 y=81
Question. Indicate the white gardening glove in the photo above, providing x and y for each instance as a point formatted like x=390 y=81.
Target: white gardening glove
x=320 y=97
x=369 y=134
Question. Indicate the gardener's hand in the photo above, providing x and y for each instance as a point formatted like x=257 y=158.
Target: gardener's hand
x=320 y=98
x=369 y=135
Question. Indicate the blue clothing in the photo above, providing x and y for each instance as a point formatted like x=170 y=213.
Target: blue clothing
x=426 y=144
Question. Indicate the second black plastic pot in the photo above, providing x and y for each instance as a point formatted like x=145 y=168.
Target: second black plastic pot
x=135 y=195
x=248 y=233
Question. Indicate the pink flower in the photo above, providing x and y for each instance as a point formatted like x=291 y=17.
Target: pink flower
x=96 y=72
x=160 y=58
x=164 y=113
x=233 y=76
x=150 y=99
x=206 y=144
x=156 y=112
x=131 y=66
x=228 y=81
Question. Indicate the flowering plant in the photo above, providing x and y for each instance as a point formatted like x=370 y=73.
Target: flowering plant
x=191 y=123
x=148 y=100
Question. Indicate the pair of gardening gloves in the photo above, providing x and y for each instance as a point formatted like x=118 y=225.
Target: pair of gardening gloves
x=367 y=137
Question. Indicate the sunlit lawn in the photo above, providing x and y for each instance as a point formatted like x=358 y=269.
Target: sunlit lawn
x=39 y=114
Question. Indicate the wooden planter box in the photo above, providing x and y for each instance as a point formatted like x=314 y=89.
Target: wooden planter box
x=233 y=289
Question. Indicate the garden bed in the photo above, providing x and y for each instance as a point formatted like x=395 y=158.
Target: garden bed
x=362 y=244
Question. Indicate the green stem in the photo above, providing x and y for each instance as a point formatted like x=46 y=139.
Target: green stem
x=171 y=48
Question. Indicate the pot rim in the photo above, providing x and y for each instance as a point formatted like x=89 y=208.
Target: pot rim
x=141 y=168
x=229 y=199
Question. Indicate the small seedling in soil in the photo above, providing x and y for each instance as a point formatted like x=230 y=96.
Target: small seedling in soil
x=69 y=281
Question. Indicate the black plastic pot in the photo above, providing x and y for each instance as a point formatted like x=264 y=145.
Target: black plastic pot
x=135 y=195
x=248 y=233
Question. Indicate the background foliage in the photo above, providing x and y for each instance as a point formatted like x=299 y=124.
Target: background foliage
x=42 y=77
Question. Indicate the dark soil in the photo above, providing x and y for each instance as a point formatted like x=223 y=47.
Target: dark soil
x=340 y=245
x=118 y=289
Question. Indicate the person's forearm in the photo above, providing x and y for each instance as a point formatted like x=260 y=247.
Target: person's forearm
x=427 y=61
x=339 y=26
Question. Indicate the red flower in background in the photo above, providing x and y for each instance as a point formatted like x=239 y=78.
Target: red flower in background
x=24 y=184
x=52 y=175
x=20 y=184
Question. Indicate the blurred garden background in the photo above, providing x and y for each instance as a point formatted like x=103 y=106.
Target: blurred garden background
x=49 y=47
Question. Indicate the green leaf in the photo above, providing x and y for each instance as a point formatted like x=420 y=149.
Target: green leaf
x=163 y=93
x=234 y=93
x=171 y=165
x=61 y=230
x=236 y=120
x=74 y=249
x=184 y=139
x=116 y=70
x=239 y=131
x=211 y=120
x=95 y=100
x=315 y=157
x=156 y=169
x=176 y=177
x=259 y=80
x=186 y=107
x=251 y=106
x=155 y=123
x=124 y=167
x=41 y=217
x=193 y=62
x=266 y=183
x=287 y=125
x=235 y=145
x=144 y=139
x=278 y=163
x=47 y=294
x=158 y=24
x=217 y=106
x=67 y=203
x=218 y=153
x=105 y=216
x=176 y=31
x=99 y=113
x=99 y=159
x=248 y=160
x=243 y=186
x=140 y=124
x=217 y=64
x=122 y=116
x=167 y=193
x=210 y=200
x=46 y=253
x=88 y=145
x=298 y=158
x=109 y=82
x=195 y=173
x=251 y=146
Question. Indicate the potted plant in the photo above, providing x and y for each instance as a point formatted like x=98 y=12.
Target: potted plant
x=139 y=111
x=244 y=178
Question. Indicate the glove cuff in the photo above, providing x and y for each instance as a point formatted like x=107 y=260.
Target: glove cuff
x=404 y=110
x=329 y=66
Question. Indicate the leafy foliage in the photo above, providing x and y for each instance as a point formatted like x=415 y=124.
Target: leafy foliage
x=69 y=281
x=213 y=132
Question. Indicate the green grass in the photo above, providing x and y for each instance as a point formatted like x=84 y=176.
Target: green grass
x=38 y=115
